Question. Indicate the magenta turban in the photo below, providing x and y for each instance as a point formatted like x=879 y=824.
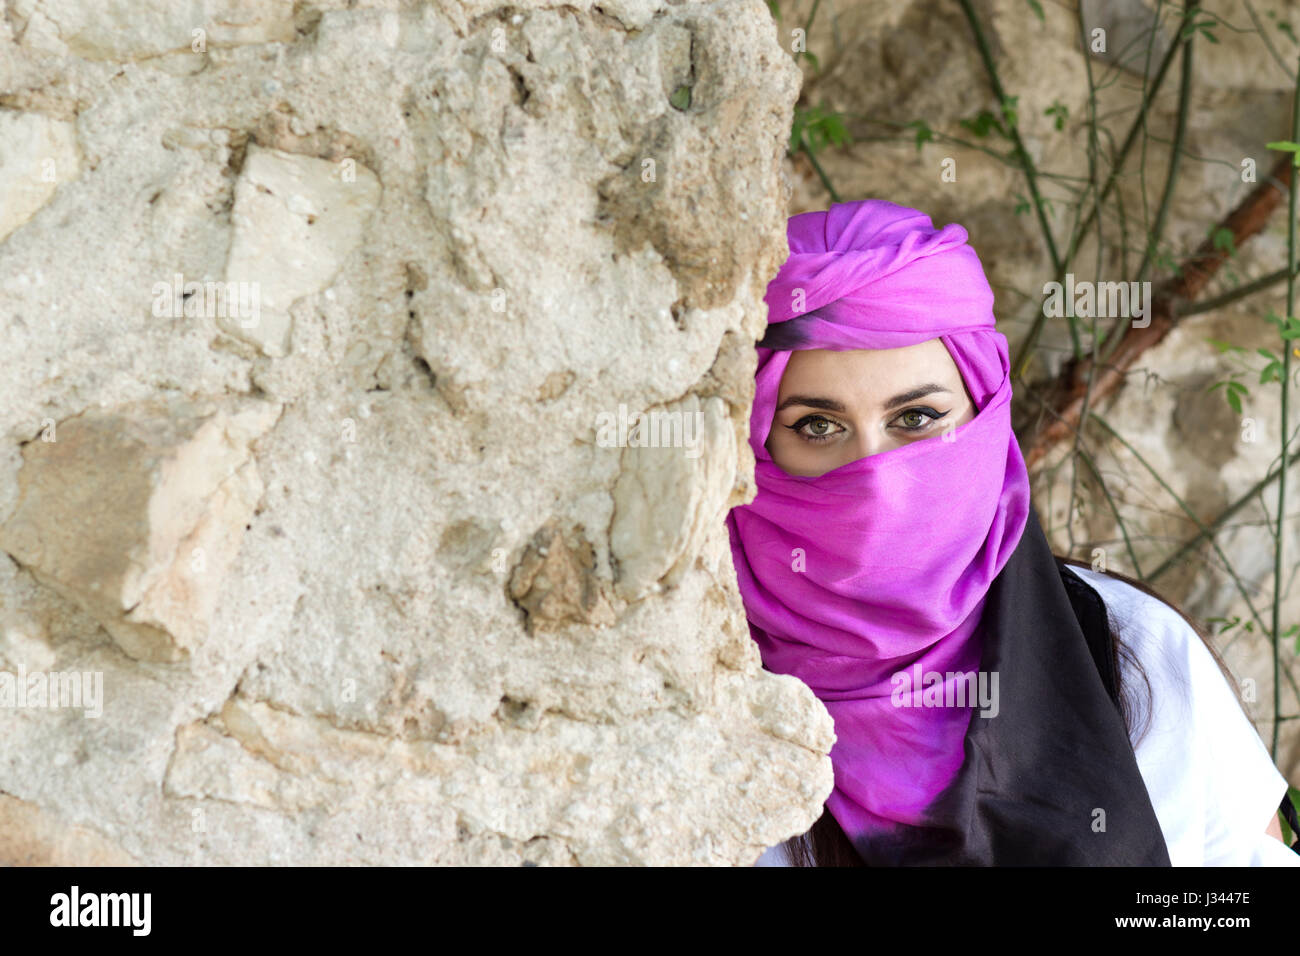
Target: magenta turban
x=852 y=577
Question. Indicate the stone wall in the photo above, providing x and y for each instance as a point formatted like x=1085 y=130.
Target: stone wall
x=318 y=322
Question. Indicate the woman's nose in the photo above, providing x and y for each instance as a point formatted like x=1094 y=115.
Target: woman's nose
x=866 y=442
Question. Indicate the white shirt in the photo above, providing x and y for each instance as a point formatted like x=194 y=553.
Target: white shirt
x=1211 y=780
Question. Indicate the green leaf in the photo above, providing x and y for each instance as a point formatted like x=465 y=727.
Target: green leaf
x=815 y=62
x=1203 y=27
x=835 y=129
x=982 y=123
x=1286 y=146
x=1222 y=346
x=1009 y=110
x=1165 y=260
x=816 y=127
x=1060 y=111
x=774 y=9
x=1022 y=206
x=681 y=98
x=923 y=133
x=1037 y=8
x=1223 y=239
x=1227 y=624
x=1290 y=329
x=799 y=129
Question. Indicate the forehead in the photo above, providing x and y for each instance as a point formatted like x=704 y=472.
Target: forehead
x=870 y=373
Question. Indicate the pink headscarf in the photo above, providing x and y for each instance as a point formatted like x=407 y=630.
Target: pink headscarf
x=853 y=576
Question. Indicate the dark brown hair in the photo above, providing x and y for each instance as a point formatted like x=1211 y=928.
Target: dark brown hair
x=826 y=843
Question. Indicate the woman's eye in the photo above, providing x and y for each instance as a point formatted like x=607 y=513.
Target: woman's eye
x=918 y=419
x=818 y=428
x=815 y=428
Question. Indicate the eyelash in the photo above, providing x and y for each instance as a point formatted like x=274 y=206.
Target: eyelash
x=928 y=412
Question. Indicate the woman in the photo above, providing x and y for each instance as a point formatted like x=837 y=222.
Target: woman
x=892 y=562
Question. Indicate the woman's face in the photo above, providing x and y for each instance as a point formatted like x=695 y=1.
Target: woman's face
x=836 y=407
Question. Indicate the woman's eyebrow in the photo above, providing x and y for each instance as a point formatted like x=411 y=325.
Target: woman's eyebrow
x=831 y=405
x=902 y=398
x=814 y=401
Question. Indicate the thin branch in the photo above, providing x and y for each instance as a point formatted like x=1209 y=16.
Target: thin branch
x=821 y=173
x=1241 y=292
x=1277 y=57
x=1214 y=526
x=1191 y=514
x=1244 y=222
x=1175 y=153
x=1110 y=500
x=1107 y=346
x=1285 y=389
x=1093 y=149
x=1025 y=349
x=1005 y=158
x=1013 y=128
x=1090 y=461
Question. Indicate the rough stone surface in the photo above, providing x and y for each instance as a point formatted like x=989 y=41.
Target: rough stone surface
x=34 y=150
x=360 y=580
x=29 y=836
x=136 y=513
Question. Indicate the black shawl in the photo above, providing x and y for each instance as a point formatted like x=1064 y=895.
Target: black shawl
x=1051 y=779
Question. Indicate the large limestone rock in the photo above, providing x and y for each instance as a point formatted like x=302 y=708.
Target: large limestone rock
x=295 y=221
x=136 y=513
x=36 y=154
x=358 y=573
